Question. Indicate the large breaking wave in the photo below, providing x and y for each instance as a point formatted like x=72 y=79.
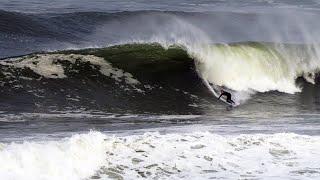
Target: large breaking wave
x=175 y=42
x=242 y=67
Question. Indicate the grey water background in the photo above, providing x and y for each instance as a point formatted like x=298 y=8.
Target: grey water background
x=67 y=6
x=33 y=26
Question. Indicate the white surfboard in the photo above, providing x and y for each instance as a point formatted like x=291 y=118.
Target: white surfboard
x=215 y=90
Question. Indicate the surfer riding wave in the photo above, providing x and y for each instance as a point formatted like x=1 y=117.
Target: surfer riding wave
x=228 y=95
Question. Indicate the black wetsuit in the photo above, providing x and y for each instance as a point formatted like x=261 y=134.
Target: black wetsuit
x=229 y=100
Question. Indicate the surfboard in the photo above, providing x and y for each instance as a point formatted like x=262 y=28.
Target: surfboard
x=215 y=90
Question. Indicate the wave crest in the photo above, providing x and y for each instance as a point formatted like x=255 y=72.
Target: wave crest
x=259 y=67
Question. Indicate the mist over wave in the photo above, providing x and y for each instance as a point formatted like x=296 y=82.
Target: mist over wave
x=54 y=31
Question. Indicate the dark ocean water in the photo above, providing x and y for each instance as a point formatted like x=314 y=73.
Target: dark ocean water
x=117 y=89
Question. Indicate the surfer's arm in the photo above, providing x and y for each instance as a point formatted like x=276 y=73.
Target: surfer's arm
x=220 y=96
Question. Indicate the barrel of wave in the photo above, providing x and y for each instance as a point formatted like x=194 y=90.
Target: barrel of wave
x=256 y=67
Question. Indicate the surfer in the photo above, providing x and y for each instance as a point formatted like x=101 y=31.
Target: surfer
x=228 y=95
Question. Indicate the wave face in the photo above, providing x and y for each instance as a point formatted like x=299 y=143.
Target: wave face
x=154 y=155
x=115 y=79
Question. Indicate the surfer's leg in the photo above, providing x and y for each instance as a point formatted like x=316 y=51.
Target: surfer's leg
x=230 y=101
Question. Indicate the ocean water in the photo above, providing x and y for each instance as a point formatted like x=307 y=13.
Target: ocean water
x=119 y=89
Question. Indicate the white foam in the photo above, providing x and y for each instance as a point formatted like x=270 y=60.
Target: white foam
x=44 y=66
x=197 y=155
x=48 y=66
x=73 y=158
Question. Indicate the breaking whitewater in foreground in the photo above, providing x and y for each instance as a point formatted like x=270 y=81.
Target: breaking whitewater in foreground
x=164 y=156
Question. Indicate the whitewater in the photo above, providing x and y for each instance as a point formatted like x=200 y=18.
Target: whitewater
x=119 y=89
x=200 y=155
